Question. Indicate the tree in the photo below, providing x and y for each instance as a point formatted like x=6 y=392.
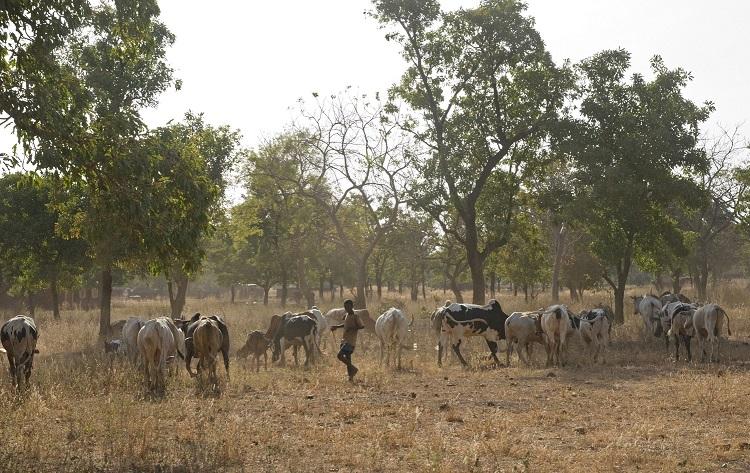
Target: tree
x=350 y=160
x=628 y=143
x=40 y=94
x=484 y=92
x=119 y=60
x=34 y=252
x=525 y=259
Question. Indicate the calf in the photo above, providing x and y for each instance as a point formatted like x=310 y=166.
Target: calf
x=256 y=344
x=707 y=322
x=556 y=323
x=155 y=342
x=295 y=330
x=594 y=328
x=114 y=346
x=207 y=341
x=463 y=320
x=18 y=337
x=523 y=329
x=188 y=327
x=130 y=330
x=393 y=330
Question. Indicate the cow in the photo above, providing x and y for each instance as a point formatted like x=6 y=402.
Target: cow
x=648 y=307
x=130 y=330
x=436 y=323
x=207 y=340
x=667 y=297
x=393 y=330
x=116 y=347
x=295 y=330
x=666 y=314
x=461 y=321
x=188 y=326
x=256 y=344
x=594 y=329
x=18 y=337
x=336 y=317
x=708 y=322
x=115 y=329
x=556 y=324
x=322 y=326
x=155 y=342
x=523 y=329
x=681 y=326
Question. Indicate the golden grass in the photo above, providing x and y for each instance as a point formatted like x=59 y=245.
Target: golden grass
x=87 y=412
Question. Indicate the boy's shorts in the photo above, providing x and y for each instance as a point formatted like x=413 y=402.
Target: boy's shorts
x=346 y=349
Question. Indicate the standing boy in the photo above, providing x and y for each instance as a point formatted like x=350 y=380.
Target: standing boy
x=351 y=326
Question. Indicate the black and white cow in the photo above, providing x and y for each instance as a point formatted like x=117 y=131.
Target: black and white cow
x=460 y=321
x=295 y=330
x=18 y=336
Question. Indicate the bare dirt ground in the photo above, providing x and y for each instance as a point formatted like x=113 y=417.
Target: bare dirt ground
x=87 y=412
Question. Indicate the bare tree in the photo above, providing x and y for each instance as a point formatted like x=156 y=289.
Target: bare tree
x=353 y=163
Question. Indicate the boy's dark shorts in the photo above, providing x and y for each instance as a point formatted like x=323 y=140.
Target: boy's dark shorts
x=346 y=349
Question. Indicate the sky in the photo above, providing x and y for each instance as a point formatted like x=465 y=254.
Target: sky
x=246 y=63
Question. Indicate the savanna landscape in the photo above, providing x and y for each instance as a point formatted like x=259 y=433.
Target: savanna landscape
x=586 y=163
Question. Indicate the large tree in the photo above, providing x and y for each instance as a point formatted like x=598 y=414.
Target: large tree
x=633 y=143
x=483 y=91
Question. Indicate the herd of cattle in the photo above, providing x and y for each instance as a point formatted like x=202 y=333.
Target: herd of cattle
x=153 y=344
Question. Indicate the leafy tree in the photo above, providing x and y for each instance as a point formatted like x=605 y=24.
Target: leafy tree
x=629 y=142
x=525 y=259
x=34 y=253
x=484 y=91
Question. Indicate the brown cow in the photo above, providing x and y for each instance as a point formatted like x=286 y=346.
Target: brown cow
x=256 y=344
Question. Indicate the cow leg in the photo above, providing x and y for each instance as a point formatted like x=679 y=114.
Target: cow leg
x=509 y=350
x=398 y=354
x=457 y=351
x=265 y=361
x=493 y=350
x=307 y=352
x=440 y=353
x=11 y=367
x=686 y=342
x=29 y=366
x=382 y=351
x=295 y=349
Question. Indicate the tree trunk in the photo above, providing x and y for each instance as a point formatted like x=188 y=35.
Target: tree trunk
x=179 y=299
x=302 y=282
x=232 y=294
x=702 y=276
x=526 y=293
x=379 y=284
x=321 y=288
x=170 y=292
x=559 y=247
x=266 y=291
x=620 y=302
x=573 y=294
x=333 y=288
x=87 y=298
x=493 y=283
x=284 y=288
x=55 y=299
x=400 y=286
x=360 y=301
x=341 y=290
x=676 y=285
x=76 y=300
x=105 y=301
x=477 y=275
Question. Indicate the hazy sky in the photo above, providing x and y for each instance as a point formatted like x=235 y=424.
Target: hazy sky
x=246 y=63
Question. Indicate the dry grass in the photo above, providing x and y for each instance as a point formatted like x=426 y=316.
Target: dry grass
x=87 y=412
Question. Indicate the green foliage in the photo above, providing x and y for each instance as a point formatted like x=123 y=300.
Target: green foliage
x=525 y=259
x=34 y=252
x=629 y=143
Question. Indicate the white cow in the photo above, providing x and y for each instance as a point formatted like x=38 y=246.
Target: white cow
x=130 y=337
x=594 y=327
x=523 y=329
x=555 y=324
x=18 y=336
x=649 y=308
x=393 y=330
x=155 y=343
x=322 y=324
x=707 y=323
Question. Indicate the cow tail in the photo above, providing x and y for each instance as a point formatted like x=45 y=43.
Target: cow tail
x=558 y=313
x=723 y=312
